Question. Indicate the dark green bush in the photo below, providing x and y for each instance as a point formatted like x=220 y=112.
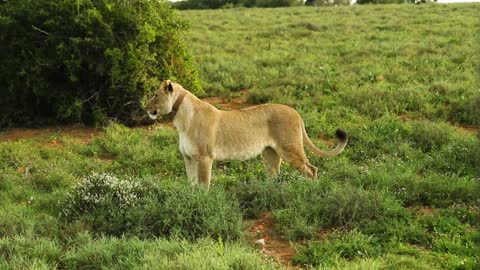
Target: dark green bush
x=65 y=61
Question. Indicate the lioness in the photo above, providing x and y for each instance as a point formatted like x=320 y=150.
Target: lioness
x=206 y=133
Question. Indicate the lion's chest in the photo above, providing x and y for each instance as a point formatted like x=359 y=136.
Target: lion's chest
x=187 y=146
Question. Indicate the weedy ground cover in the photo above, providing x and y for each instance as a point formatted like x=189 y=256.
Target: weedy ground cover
x=400 y=79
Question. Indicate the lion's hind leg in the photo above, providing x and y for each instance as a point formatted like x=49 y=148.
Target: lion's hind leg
x=313 y=170
x=271 y=161
x=296 y=157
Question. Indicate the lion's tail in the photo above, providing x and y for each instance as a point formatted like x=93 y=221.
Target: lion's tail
x=342 y=142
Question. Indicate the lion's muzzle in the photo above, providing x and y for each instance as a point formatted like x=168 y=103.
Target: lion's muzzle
x=153 y=115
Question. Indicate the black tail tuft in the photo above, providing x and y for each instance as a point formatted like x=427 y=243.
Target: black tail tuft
x=341 y=135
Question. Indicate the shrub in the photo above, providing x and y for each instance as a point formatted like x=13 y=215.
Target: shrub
x=67 y=61
x=112 y=206
x=349 y=205
x=174 y=209
x=102 y=201
x=100 y=191
x=259 y=195
x=348 y=246
x=314 y=206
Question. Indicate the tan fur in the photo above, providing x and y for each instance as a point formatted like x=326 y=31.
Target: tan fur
x=277 y=132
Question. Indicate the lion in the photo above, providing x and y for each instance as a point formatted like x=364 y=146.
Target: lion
x=275 y=131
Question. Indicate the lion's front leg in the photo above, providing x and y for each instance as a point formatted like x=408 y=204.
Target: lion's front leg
x=191 y=168
x=204 y=170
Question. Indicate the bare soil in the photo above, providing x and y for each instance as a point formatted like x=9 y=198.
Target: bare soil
x=276 y=245
x=82 y=133
x=469 y=129
x=423 y=210
x=229 y=104
x=85 y=134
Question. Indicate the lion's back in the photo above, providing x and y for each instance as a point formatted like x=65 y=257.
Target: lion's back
x=245 y=133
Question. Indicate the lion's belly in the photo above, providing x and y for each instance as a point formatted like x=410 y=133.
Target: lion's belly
x=240 y=146
x=238 y=153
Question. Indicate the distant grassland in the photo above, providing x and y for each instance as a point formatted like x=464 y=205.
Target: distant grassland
x=400 y=79
x=372 y=60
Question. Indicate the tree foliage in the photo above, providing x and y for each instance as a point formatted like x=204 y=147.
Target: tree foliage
x=69 y=61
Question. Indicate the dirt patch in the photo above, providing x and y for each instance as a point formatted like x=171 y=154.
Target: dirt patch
x=423 y=210
x=84 y=134
x=329 y=141
x=275 y=245
x=236 y=103
x=468 y=129
x=80 y=132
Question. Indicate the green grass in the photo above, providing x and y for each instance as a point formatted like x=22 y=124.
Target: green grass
x=363 y=60
x=403 y=195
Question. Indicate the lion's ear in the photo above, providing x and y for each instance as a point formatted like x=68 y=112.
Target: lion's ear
x=170 y=87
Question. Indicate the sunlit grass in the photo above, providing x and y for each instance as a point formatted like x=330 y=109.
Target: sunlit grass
x=403 y=195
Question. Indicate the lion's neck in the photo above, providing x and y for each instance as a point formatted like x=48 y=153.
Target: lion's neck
x=191 y=107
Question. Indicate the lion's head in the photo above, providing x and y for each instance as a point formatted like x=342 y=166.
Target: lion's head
x=163 y=100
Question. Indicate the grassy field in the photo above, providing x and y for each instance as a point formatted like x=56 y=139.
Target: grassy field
x=400 y=79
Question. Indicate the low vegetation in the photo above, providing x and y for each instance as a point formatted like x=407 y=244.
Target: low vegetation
x=403 y=195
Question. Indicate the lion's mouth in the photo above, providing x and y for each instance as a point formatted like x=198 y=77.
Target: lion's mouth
x=153 y=115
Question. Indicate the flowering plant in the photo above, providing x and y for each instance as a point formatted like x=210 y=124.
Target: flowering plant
x=97 y=191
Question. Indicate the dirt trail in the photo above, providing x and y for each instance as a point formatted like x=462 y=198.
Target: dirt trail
x=229 y=104
x=469 y=129
x=80 y=132
x=85 y=134
x=275 y=245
